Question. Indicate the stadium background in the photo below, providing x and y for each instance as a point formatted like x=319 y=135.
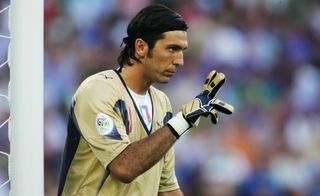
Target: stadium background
x=270 y=53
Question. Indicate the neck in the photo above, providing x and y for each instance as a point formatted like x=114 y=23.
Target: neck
x=134 y=79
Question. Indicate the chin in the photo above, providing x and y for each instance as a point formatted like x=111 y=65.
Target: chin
x=164 y=80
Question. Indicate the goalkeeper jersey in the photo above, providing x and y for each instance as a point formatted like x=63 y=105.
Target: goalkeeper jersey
x=103 y=121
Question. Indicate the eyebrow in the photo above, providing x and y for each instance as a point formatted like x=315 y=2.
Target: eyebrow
x=177 y=46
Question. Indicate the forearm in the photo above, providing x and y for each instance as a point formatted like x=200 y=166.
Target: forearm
x=139 y=156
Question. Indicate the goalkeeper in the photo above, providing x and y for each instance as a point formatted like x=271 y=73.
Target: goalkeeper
x=121 y=129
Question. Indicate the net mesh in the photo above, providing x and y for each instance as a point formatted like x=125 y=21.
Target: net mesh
x=4 y=99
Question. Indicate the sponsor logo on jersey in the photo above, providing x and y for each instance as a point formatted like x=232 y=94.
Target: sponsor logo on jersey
x=104 y=124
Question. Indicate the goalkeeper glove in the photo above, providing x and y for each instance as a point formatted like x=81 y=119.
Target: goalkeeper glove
x=203 y=104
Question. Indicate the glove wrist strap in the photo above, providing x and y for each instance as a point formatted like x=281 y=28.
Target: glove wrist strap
x=178 y=125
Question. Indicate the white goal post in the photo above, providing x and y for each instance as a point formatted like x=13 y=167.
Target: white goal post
x=26 y=167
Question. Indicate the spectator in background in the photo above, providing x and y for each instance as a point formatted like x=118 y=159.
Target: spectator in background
x=264 y=83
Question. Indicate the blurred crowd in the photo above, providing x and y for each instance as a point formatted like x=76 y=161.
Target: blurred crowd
x=269 y=51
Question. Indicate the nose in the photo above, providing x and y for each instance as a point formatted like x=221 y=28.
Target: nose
x=178 y=59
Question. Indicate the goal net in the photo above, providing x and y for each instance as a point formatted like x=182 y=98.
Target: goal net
x=23 y=120
x=4 y=100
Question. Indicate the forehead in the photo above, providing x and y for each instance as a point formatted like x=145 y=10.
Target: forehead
x=179 y=38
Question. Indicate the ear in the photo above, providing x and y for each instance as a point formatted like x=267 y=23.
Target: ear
x=141 y=48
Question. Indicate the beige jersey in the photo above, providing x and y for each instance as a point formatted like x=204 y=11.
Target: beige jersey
x=103 y=121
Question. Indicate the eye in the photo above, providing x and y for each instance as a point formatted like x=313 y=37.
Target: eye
x=174 y=48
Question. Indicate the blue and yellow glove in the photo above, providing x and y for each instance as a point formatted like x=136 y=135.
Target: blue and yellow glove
x=203 y=105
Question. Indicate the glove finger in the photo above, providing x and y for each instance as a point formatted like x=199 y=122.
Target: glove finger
x=213 y=83
x=211 y=75
x=222 y=106
x=214 y=117
x=216 y=84
x=196 y=123
x=206 y=89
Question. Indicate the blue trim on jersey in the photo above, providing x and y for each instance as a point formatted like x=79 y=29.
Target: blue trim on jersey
x=72 y=143
x=114 y=134
x=120 y=106
x=135 y=106
x=103 y=180
x=152 y=110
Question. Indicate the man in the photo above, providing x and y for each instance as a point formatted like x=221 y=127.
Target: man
x=121 y=130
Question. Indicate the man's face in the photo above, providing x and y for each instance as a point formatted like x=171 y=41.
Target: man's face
x=166 y=56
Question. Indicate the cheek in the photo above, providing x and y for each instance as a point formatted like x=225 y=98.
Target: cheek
x=161 y=54
x=164 y=59
x=159 y=61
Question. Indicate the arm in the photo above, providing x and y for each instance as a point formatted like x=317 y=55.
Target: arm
x=139 y=156
x=177 y=192
x=142 y=155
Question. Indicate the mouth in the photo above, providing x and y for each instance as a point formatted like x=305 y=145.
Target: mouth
x=169 y=73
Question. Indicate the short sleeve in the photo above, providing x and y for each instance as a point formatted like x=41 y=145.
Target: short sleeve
x=99 y=122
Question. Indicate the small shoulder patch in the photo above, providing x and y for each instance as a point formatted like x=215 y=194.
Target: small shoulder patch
x=104 y=124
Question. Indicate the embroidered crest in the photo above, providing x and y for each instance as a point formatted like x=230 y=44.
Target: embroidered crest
x=104 y=124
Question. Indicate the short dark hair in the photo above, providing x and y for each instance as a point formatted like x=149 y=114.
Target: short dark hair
x=149 y=24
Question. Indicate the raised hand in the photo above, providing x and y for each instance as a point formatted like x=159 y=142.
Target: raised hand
x=203 y=105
